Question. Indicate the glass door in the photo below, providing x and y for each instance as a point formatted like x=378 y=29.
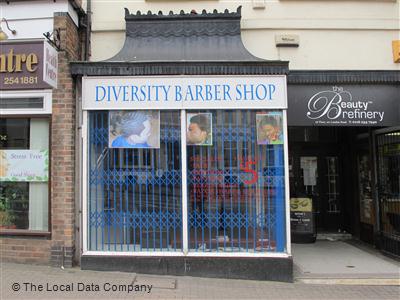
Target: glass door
x=388 y=148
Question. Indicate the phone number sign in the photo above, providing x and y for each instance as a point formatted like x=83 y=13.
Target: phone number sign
x=28 y=65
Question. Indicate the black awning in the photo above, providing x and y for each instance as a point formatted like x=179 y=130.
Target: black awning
x=184 y=43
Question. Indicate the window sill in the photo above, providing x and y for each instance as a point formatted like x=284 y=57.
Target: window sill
x=23 y=232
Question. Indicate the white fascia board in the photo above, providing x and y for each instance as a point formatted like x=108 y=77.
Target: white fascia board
x=30 y=29
x=16 y=11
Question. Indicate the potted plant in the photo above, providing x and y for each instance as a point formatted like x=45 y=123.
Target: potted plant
x=7 y=217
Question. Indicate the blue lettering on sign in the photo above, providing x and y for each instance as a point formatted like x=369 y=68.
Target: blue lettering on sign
x=208 y=92
x=255 y=92
x=238 y=92
x=134 y=91
x=189 y=95
x=261 y=92
x=226 y=92
x=197 y=92
x=271 y=89
x=98 y=98
x=178 y=93
x=142 y=93
x=166 y=91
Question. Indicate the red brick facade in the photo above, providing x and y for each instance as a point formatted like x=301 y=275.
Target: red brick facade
x=60 y=246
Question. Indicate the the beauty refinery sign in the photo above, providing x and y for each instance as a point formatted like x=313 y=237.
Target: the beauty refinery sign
x=184 y=92
x=351 y=105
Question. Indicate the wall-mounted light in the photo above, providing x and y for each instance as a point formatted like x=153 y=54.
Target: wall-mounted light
x=3 y=35
x=54 y=38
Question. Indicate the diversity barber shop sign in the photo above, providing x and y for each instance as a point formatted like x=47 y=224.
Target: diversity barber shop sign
x=178 y=92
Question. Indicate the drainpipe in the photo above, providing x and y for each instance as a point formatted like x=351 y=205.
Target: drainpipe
x=78 y=142
x=88 y=29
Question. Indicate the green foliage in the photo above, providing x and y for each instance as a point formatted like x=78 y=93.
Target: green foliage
x=8 y=195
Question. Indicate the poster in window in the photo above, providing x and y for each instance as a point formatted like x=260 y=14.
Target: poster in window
x=269 y=128
x=24 y=165
x=199 y=129
x=134 y=129
x=309 y=166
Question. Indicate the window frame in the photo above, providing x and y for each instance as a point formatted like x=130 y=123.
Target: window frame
x=27 y=232
x=45 y=94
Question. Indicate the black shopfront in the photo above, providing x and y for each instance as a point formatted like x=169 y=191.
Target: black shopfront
x=344 y=152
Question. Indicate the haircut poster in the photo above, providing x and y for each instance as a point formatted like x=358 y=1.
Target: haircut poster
x=199 y=129
x=134 y=129
x=269 y=128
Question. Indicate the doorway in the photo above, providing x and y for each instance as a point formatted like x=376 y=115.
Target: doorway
x=316 y=172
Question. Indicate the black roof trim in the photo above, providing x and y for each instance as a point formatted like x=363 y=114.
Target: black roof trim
x=183 y=37
x=179 y=68
x=338 y=76
x=182 y=15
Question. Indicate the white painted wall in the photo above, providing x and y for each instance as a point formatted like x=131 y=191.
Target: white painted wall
x=33 y=18
x=339 y=34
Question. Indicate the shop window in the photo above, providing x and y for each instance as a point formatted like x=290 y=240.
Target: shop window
x=24 y=144
x=235 y=182
x=21 y=103
x=135 y=193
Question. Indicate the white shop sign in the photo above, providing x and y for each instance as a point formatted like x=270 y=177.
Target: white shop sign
x=50 y=65
x=184 y=92
x=24 y=165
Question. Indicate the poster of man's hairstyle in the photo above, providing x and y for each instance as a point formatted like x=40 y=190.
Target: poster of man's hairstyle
x=199 y=129
x=269 y=128
x=134 y=129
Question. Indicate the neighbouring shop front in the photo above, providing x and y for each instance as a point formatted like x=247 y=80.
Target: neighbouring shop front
x=37 y=139
x=185 y=153
x=28 y=74
x=344 y=137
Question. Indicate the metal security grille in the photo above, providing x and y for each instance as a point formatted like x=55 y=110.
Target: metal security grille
x=389 y=190
x=135 y=194
x=235 y=188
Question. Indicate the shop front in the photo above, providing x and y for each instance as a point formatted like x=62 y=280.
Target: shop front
x=184 y=163
x=37 y=134
x=341 y=127
x=28 y=74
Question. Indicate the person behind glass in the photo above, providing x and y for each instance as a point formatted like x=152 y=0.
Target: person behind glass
x=199 y=130
x=135 y=128
x=269 y=131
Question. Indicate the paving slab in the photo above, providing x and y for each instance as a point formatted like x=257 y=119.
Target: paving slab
x=338 y=257
x=345 y=263
x=30 y=277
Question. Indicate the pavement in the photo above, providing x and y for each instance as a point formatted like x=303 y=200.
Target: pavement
x=20 y=281
x=343 y=262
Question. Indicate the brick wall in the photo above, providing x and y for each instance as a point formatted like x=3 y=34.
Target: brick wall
x=60 y=246
x=25 y=250
x=63 y=147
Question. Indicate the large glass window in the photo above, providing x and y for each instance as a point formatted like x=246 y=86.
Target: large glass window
x=235 y=181
x=135 y=193
x=24 y=170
